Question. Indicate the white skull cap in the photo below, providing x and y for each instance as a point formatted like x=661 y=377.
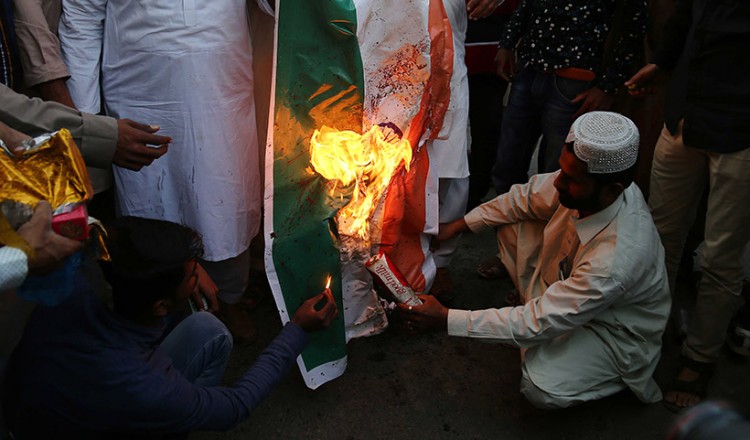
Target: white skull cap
x=606 y=141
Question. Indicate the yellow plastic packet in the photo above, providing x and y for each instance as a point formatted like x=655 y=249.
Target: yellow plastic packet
x=49 y=167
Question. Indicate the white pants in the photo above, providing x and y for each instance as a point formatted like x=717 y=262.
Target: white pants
x=452 y=197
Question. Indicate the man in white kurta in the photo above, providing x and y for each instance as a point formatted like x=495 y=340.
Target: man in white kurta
x=449 y=160
x=583 y=251
x=187 y=67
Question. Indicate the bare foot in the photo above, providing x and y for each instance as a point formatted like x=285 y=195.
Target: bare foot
x=685 y=399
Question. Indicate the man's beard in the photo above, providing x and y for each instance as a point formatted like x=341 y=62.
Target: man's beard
x=587 y=204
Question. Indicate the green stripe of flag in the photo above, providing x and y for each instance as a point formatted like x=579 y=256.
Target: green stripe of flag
x=319 y=81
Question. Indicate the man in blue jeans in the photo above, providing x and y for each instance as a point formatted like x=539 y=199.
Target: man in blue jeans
x=85 y=371
x=561 y=74
x=562 y=71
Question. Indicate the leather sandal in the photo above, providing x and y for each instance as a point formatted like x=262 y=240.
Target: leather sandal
x=492 y=269
x=697 y=387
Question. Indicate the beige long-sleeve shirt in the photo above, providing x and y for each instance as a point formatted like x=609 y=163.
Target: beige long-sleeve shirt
x=36 y=29
x=95 y=135
x=612 y=287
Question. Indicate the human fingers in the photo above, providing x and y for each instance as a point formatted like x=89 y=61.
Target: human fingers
x=41 y=220
x=404 y=308
x=640 y=92
x=507 y=69
x=644 y=74
x=329 y=312
x=11 y=137
x=308 y=305
x=504 y=74
x=485 y=9
x=585 y=106
x=208 y=288
x=197 y=299
x=153 y=139
x=471 y=4
x=135 y=156
x=580 y=97
x=54 y=249
x=141 y=132
x=505 y=65
x=145 y=152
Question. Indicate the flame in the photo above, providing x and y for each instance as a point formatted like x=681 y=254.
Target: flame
x=328 y=282
x=368 y=161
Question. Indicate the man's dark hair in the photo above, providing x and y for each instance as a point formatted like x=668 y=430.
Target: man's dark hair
x=148 y=261
x=624 y=177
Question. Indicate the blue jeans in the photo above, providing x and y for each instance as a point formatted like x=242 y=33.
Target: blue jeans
x=199 y=347
x=539 y=104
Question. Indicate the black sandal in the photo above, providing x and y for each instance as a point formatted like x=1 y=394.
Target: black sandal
x=698 y=387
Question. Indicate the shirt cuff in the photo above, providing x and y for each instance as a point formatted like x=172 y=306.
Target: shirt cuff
x=298 y=338
x=474 y=220
x=13 y=267
x=44 y=73
x=458 y=322
x=98 y=140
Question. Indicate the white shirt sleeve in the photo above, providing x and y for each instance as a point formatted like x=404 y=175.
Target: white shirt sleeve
x=565 y=305
x=536 y=200
x=13 y=268
x=81 y=36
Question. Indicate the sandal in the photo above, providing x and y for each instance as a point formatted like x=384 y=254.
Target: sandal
x=697 y=387
x=492 y=269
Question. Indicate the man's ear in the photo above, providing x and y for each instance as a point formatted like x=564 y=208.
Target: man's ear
x=161 y=307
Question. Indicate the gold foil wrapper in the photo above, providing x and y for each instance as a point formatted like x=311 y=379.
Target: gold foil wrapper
x=50 y=167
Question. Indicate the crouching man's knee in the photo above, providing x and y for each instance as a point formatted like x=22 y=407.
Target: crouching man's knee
x=540 y=398
x=547 y=400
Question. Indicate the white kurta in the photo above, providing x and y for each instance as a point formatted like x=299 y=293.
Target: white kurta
x=187 y=67
x=449 y=153
x=594 y=311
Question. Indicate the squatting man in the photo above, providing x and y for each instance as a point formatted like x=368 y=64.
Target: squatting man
x=84 y=370
x=583 y=252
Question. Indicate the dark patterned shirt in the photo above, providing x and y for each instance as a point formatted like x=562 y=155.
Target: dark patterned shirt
x=561 y=33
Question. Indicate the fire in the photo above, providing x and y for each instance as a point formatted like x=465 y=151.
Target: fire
x=367 y=161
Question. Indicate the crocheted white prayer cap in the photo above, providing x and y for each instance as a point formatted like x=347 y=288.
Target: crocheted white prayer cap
x=606 y=141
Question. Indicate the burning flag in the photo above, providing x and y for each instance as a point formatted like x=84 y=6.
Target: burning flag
x=367 y=162
x=359 y=85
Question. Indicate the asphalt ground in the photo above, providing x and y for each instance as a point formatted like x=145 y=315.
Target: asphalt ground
x=431 y=386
